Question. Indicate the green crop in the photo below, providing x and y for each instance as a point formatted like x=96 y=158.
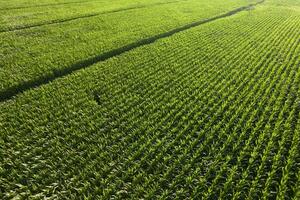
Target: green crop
x=208 y=111
x=37 y=54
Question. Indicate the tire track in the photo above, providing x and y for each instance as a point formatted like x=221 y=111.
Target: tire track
x=59 y=73
x=59 y=21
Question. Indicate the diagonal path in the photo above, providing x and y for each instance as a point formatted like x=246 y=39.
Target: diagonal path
x=59 y=21
x=15 y=90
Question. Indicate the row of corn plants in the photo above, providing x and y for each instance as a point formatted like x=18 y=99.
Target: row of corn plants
x=212 y=112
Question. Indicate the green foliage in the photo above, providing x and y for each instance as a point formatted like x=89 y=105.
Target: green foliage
x=211 y=112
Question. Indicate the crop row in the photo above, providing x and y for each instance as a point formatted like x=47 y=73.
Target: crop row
x=30 y=17
x=209 y=96
x=39 y=53
x=210 y=112
x=15 y=4
x=172 y=157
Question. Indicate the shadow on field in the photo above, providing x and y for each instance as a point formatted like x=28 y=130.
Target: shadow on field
x=59 y=21
x=14 y=90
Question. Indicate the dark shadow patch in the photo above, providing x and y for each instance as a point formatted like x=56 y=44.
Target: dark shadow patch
x=97 y=98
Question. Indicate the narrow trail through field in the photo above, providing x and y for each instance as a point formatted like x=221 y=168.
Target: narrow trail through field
x=59 y=21
x=59 y=73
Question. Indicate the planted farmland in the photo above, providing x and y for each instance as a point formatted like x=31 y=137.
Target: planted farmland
x=208 y=111
x=28 y=60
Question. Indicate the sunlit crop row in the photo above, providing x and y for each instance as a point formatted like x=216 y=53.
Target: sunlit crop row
x=208 y=113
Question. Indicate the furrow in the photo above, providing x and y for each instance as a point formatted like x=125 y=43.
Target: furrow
x=188 y=137
x=173 y=140
x=242 y=139
x=15 y=90
x=60 y=21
